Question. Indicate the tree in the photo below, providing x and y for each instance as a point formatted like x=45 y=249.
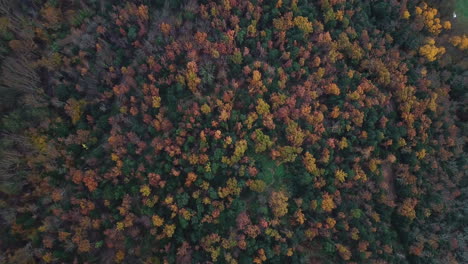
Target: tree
x=278 y=203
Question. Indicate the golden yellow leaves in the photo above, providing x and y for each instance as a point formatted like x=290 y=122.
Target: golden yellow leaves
x=447 y=25
x=373 y=164
x=272 y=233
x=419 y=10
x=231 y=188
x=252 y=29
x=205 y=109
x=278 y=203
x=203 y=136
x=461 y=42
x=205 y=185
x=294 y=134
x=119 y=256
x=191 y=77
x=284 y=23
x=299 y=217
x=309 y=163
x=430 y=51
x=75 y=109
x=340 y=175
x=151 y=201
x=120 y=226
x=332 y=89
x=343 y=143
x=286 y=153
x=344 y=252
x=169 y=200
x=224 y=115
x=359 y=173
x=421 y=154
x=193 y=159
x=39 y=142
x=215 y=53
x=180 y=79
x=145 y=190
x=428 y=15
x=406 y=98
x=378 y=67
x=186 y=214
x=157 y=220
x=169 y=230
x=311 y=233
x=251 y=118
x=156 y=101
x=355 y=233
x=354 y=95
x=432 y=104
x=406 y=14
x=47 y=257
x=239 y=150
x=330 y=222
x=256 y=185
x=206 y=201
x=407 y=208
x=255 y=84
x=327 y=203
x=339 y=15
x=262 y=107
x=303 y=24
x=351 y=50
x=208 y=167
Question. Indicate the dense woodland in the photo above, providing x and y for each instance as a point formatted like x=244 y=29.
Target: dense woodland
x=233 y=131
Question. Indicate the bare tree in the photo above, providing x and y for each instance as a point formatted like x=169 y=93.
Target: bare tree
x=19 y=75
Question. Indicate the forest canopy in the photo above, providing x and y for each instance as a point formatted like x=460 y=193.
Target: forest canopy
x=233 y=131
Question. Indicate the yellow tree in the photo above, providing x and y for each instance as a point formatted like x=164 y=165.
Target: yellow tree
x=327 y=203
x=309 y=163
x=279 y=203
x=430 y=51
x=460 y=42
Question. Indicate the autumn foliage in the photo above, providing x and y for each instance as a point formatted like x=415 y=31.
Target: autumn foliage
x=232 y=131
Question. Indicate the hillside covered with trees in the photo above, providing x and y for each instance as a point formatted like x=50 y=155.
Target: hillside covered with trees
x=233 y=131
